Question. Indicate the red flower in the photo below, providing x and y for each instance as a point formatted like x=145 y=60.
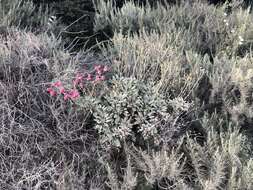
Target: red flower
x=98 y=67
x=99 y=78
x=66 y=96
x=62 y=90
x=51 y=92
x=74 y=94
x=106 y=68
x=102 y=77
x=99 y=72
x=49 y=89
x=89 y=77
x=78 y=79
x=57 y=84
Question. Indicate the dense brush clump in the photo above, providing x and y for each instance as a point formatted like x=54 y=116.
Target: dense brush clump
x=134 y=112
x=38 y=134
x=162 y=100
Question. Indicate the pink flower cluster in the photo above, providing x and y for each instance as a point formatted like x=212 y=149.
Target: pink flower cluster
x=79 y=82
x=57 y=88
x=100 y=70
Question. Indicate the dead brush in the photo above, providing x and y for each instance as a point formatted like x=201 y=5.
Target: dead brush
x=39 y=134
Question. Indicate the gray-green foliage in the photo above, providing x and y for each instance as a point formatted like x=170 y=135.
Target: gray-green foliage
x=221 y=162
x=223 y=159
x=130 y=18
x=134 y=111
x=130 y=106
x=200 y=27
x=218 y=157
x=49 y=143
x=160 y=165
x=24 y=14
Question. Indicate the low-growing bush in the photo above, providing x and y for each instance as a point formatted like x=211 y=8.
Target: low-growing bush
x=165 y=104
x=132 y=111
x=44 y=141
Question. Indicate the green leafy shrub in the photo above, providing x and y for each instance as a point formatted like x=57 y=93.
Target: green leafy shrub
x=130 y=106
x=133 y=112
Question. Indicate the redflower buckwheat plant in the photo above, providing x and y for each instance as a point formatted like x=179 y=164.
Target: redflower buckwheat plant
x=83 y=83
